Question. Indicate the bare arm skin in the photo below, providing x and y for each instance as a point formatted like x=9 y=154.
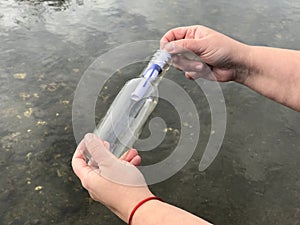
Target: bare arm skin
x=275 y=73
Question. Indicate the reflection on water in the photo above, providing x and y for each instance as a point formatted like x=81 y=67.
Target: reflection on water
x=45 y=48
x=54 y=4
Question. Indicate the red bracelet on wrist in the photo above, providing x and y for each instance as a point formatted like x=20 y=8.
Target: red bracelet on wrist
x=139 y=204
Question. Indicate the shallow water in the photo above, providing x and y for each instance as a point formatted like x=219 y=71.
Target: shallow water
x=45 y=48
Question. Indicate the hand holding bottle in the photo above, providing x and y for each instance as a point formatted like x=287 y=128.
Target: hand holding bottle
x=221 y=53
x=108 y=178
x=272 y=72
x=104 y=178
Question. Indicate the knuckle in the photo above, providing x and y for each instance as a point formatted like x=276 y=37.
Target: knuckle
x=92 y=196
x=85 y=181
x=84 y=184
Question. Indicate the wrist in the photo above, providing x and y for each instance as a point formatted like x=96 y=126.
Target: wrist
x=126 y=205
x=139 y=205
x=244 y=64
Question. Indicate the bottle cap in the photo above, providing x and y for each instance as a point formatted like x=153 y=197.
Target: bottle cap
x=155 y=67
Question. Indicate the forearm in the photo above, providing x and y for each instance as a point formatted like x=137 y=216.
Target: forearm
x=159 y=213
x=274 y=73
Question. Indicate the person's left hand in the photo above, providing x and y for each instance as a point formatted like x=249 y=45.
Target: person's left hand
x=116 y=183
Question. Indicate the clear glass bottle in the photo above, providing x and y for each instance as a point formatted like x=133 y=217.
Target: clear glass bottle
x=128 y=113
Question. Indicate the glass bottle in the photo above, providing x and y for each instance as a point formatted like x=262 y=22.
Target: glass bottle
x=124 y=120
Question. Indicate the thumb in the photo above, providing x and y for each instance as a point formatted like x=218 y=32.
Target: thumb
x=110 y=167
x=98 y=149
x=184 y=46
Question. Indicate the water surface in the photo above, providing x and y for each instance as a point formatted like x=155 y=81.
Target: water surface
x=45 y=48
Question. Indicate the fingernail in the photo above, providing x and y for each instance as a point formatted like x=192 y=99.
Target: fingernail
x=169 y=47
x=126 y=155
x=189 y=77
x=199 y=67
x=89 y=137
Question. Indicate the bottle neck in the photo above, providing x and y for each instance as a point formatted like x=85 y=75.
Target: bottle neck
x=157 y=67
x=153 y=74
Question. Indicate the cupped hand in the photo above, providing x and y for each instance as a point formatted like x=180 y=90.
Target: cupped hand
x=116 y=183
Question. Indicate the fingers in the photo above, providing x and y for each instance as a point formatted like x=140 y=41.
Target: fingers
x=99 y=152
x=206 y=75
x=128 y=155
x=106 y=144
x=79 y=165
x=182 y=63
x=174 y=34
x=132 y=156
x=97 y=148
x=110 y=167
x=194 y=69
x=136 y=161
x=192 y=46
x=186 y=56
x=188 y=76
x=185 y=37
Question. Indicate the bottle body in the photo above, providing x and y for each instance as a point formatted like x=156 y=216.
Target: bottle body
x=125 y=118
x=128 y=113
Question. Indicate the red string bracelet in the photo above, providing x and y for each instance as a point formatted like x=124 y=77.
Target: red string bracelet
x=141 y=203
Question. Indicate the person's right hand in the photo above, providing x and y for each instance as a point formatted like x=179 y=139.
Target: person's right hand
x=225 y=57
